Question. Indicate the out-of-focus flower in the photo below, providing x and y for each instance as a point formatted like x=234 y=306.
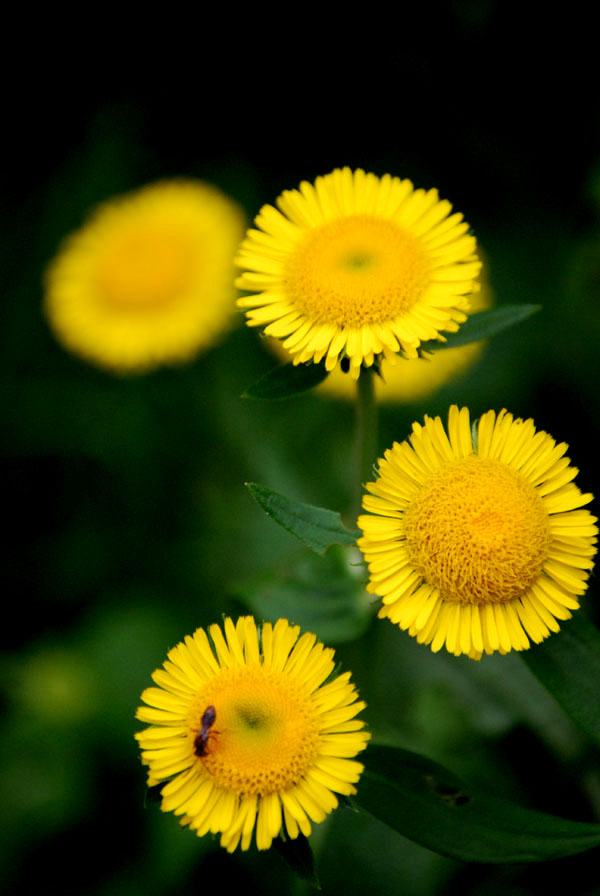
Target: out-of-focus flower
x=148 y=278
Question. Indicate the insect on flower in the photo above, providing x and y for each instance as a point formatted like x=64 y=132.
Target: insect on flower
x=282 y=731
x=201 y=739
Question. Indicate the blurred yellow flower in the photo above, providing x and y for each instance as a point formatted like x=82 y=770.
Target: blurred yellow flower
x=477 y=539
x=251 y=732
x=357 y=267
x=148 y=278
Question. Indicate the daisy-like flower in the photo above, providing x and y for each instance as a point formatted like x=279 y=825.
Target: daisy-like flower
x=357 y=267
x=477 y=539
x=148 y=278
x=406 y=381
x=251 y=732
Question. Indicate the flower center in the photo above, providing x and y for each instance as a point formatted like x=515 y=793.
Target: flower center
x=478 y=531
x=265 y=734
x=143 y=270
x=357 y=270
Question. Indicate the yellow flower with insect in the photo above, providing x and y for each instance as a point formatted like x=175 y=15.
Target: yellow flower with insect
x=251 y=731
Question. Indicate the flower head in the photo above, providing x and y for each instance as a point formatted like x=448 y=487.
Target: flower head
x=147 y=280
x=406 y=381
x=249 y=732
x=477 y=540
x=359 y=267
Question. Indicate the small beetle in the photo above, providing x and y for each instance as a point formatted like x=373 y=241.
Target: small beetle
x=201 y=739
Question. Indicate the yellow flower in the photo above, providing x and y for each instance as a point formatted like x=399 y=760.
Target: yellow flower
x=357 y=267
x=406 y=381
x=477 y=540
x=249 y=732
x=148 y=278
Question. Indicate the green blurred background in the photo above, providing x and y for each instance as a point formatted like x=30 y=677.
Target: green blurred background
x=128 y=524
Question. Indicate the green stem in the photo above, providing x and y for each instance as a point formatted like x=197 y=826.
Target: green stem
x=366 y=427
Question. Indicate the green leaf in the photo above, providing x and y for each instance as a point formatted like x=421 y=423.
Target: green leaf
x=298 y=855
x=325 y=595
x=568 y=665
x=317 y=527
x=483 y=324
x=285 y=381
x=428 y=804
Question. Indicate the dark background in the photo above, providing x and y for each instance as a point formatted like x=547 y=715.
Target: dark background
x=127 y=522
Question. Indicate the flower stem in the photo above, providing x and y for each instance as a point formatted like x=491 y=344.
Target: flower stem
x=366 y=427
